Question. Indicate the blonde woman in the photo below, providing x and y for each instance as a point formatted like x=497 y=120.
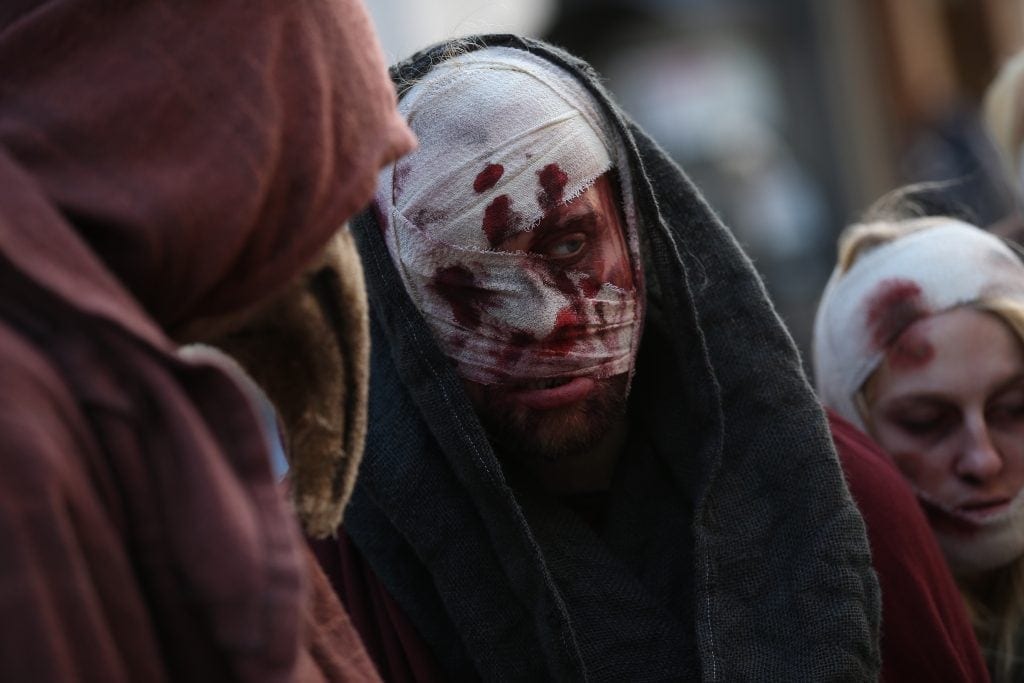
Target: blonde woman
x=918 y=341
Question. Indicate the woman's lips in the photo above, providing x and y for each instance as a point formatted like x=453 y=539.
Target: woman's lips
x=966 y=519
x=540 y=397
x=984 y=510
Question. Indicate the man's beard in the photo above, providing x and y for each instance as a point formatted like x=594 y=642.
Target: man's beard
x=526 y=434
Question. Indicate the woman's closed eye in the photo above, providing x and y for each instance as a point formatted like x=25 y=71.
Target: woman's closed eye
x=932 y=422
x=1007 y=409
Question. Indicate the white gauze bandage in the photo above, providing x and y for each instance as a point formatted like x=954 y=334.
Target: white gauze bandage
x=504 y=136
x=864 y=311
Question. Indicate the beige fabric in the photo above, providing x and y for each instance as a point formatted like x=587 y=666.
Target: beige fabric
x=308 y=350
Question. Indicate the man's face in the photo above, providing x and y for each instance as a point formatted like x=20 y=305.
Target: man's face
x=554 y=417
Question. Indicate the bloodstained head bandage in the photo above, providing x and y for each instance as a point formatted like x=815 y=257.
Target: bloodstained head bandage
x=864 y=310
x=867 y=313
x=505 y=137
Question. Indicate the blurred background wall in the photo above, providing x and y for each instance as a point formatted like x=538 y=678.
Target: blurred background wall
x=791 y=116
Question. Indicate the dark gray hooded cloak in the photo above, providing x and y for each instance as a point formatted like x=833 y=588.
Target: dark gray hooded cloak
x=731 y=548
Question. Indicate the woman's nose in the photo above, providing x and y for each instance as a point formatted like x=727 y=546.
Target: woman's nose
x=980 y=460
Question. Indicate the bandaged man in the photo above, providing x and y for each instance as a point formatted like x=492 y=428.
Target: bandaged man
x=592 y=454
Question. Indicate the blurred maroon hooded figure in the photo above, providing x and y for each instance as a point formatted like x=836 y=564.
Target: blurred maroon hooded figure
x=161 y=162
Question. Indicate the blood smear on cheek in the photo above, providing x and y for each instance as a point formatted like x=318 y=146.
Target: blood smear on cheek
x=565 y=334
x=590 y=286
x=911 y=350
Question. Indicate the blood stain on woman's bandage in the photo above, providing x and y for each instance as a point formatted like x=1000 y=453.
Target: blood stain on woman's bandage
x=458 y=287
x=912 y=349
x=895 y=305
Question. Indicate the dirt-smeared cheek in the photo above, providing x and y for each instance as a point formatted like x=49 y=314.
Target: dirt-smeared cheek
x=913 y=466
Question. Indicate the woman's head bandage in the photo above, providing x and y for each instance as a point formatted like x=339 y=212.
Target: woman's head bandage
x=504 y=137
x=864 y=309
x=861 y=318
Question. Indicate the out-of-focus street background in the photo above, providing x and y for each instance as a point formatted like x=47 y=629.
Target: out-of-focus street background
x=791 y=116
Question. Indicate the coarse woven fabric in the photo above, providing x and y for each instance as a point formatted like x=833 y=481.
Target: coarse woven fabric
x=864 y=309
x=732 y=549
x=161 y=161
x=484 y=173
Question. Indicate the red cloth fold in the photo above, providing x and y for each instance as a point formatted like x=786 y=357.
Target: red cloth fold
x=926 y=632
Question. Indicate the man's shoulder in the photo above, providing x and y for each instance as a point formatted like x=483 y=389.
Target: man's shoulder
x=878 y=488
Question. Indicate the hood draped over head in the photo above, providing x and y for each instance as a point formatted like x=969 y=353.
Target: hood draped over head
x=864 y=308
x=206 y=153
x=484 y=173
x=160 y=162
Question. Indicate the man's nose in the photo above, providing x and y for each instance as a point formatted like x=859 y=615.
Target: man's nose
x=980 y=460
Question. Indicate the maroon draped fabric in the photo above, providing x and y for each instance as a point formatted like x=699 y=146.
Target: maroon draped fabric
x=926 y=632
x=393 y=642
x=162 y=161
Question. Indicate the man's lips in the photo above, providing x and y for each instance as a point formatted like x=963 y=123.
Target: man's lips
x=553 y=393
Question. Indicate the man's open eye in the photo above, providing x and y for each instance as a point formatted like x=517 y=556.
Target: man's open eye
x=567 y=247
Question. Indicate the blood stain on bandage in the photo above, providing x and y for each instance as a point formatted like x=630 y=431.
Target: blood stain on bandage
x=488 y=177
x=518 y=342
x=912 y=349
x=892 y=309
x=565 y=334
x=552 y=186
x=500 y=221
x=458 y=287
x=894 y=306
x=398 y=183
x=427 y=216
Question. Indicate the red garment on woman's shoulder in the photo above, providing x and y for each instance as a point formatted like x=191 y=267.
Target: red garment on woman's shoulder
x=394 y=644
x=926 y=632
